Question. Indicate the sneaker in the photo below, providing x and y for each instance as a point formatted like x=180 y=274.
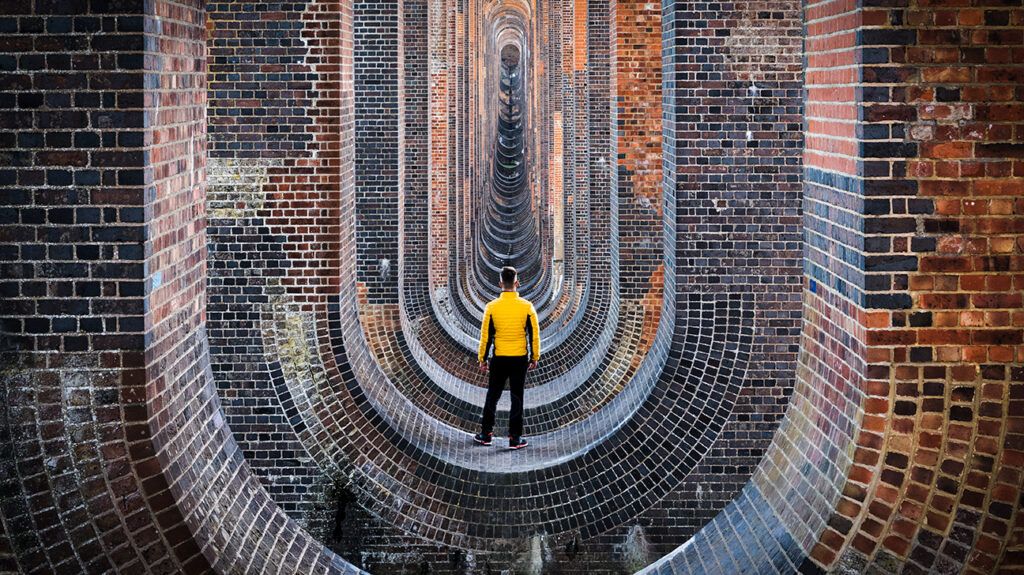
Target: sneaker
x=483 y=438
x=516 y=443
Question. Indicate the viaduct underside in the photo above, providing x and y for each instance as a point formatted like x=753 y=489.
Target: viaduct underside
x=776 y=248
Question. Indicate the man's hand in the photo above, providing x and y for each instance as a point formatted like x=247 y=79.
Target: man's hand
x=532 y=366
x=483 y=367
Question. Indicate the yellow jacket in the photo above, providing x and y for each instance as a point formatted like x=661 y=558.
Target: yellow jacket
x=510 y=322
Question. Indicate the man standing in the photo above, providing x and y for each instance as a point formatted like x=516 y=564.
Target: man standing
x=510 y=326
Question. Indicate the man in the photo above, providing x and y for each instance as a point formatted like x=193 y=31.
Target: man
x=510 y=325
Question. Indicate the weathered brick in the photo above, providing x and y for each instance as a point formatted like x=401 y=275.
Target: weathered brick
x=351 y=161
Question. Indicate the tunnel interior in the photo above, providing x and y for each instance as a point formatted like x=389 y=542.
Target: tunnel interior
x=775 y=248
x=510 y=236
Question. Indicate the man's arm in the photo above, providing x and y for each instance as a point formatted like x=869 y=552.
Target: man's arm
x=534 y=335
x=485 y=334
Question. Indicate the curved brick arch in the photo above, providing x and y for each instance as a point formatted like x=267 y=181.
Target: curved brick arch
x=365 y=374
x=900 y=448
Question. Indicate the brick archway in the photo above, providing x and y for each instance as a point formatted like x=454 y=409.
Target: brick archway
x=150 y=428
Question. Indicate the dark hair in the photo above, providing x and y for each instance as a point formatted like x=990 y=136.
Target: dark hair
x=508 y=277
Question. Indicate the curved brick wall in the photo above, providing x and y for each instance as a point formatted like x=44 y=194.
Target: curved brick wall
x=780 y=293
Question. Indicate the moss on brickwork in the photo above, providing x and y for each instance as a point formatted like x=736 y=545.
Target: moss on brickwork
x=235 y=186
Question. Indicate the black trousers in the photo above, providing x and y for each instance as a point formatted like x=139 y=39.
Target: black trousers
x=513 y=369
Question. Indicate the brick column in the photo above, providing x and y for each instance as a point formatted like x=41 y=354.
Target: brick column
x=379 y=165
x=440 y=161
x=103 y=282
x=116 y=456
x=636 y=74
x=925 y=203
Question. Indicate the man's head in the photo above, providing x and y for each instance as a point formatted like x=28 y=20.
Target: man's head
x=509 y=278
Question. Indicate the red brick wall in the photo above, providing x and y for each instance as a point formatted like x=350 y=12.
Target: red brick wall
x=636 y=67
x=830 y=77
x=176 y=363
x=940 y=454
x=831 y=376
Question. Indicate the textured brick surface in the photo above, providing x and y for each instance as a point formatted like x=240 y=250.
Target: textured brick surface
x=116 y=453
x=246 y=246
x=937 y=480
x=420 y=362
x=95 y=145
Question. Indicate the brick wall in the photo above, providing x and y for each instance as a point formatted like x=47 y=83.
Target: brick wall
x=902 y=417
x=418 y=353
x=262 y=393
x=379 y=169
x=83 y=489
x=275 y=227
x=942 y=256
